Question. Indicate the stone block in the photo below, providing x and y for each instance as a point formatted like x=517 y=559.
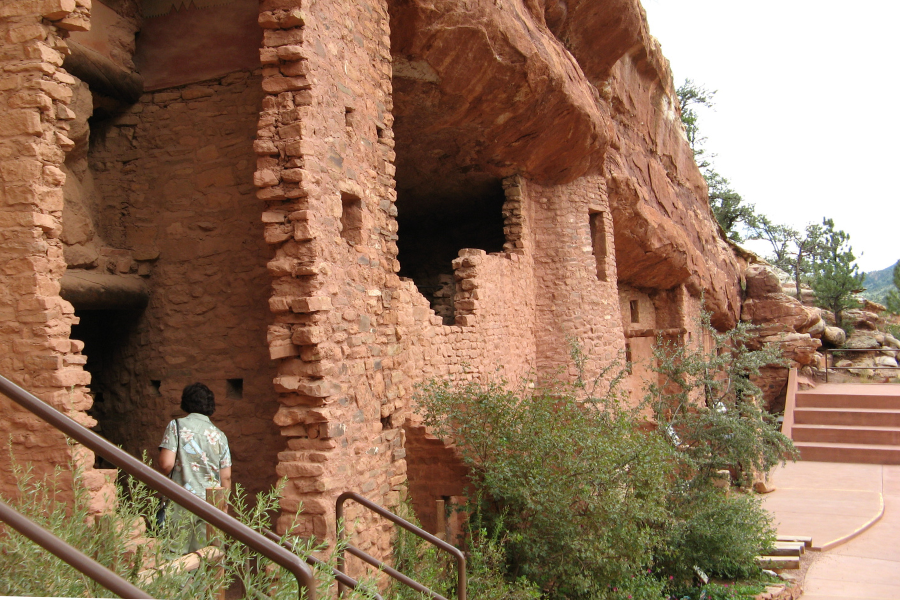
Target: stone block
x=282 y=37
x=311 y=304
x=296 y=470
x=308 y=335
x=20 y=122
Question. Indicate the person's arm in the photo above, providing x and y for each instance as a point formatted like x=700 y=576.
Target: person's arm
x=166 y=461
x=225 y=478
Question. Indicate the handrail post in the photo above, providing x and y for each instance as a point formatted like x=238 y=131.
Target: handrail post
x=450 y=549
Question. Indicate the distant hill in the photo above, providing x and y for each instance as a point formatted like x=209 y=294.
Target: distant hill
x=878 y=283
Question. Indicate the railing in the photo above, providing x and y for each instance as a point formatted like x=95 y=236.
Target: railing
x=456 y=552
x=154 y=480
x=832 y=351
x=72 y=556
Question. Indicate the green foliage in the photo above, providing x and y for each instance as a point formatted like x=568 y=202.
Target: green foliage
x=720 y=533
x=706 y=401
x=837 y=278
x=110 y=540
x=435 y=569
x=892 y=298
x=690 y=95
x=793 y=251
x=588 y=503
x=580 y=488
x=727 y=205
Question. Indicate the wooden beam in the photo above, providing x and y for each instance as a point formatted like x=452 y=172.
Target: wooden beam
x=95 y=290
x=103 y=75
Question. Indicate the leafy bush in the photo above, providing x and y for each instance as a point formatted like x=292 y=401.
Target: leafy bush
x=720 y=533
x=571 y=478
x=436 y=570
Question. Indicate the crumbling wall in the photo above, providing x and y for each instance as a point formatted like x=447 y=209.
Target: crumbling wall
x=35 y=350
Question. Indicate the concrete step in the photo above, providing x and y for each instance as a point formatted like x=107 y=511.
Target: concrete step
x=804 y=539
x=846 y=434
x=873 y=417
x=786 y=549
x=778 y=562
x=815 y=399
x=849 y=453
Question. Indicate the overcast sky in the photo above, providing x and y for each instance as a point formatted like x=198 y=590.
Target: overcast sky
x=807 y=115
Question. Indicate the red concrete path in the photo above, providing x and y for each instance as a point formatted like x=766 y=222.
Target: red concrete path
x=852 y=511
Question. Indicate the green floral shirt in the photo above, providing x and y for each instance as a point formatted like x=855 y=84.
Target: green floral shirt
x=200 y=454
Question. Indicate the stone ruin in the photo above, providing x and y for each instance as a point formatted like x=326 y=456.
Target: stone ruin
x=315 y=205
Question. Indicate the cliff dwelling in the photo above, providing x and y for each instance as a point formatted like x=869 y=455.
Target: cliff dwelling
x=313 y=206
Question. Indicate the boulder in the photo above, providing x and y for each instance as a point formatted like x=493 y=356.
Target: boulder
x=891 y=342
x=762 y=280
x=861 y=319
x=862 y=340
x=834 y=336
x=886 y=361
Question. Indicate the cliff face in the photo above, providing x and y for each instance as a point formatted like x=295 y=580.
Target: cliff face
x=555 y=91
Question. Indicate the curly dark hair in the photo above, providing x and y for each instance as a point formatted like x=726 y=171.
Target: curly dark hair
x=197 y=398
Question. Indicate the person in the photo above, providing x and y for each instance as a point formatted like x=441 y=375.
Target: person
x=198 y=457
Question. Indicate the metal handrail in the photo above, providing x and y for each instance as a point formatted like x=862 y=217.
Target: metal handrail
x=833 y=350
x=74 y=557
x=341 y=578
x=156 y=481
x=450 y=549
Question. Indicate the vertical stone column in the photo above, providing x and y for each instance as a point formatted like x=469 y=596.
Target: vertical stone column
x=35 y=349
x=325 y=176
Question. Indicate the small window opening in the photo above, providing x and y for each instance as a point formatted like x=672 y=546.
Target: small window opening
x=380 y=132
x=351 y=218
x=155 y=385
x=234 y=389
x=635 y=311
x=598 y=243
x=387 y=422
x=349 y=118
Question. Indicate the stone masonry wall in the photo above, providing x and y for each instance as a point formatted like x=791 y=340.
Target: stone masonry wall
x=352 y=339
x=175 y=171
x=35 y=350
x=573 y=303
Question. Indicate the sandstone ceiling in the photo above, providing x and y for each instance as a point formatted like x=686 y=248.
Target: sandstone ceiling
x=485 y=89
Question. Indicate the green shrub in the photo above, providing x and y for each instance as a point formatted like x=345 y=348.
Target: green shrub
x=436 y=570
x=575 y=484
x=115 y=541
x=720 y=533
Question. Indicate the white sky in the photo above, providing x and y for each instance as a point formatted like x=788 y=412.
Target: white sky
x=806 y=122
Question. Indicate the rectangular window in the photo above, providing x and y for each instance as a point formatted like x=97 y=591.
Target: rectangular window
x=351 y=218
x=234 y=389
x=635 y=313
x=598 y=243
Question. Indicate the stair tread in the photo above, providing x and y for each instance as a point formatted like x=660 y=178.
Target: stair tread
x=850 y=427
x=848 y=445
x=846 y=409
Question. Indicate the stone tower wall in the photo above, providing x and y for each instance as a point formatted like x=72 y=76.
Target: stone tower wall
x=35 y=350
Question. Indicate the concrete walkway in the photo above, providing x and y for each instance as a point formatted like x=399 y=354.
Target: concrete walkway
x=852 y=513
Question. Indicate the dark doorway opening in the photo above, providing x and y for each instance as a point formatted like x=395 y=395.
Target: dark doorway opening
x=115 y=387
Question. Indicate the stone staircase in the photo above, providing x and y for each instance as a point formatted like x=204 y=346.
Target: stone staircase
x=850 y=423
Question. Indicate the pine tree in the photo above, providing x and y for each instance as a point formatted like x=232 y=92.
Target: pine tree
x=837 y=278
